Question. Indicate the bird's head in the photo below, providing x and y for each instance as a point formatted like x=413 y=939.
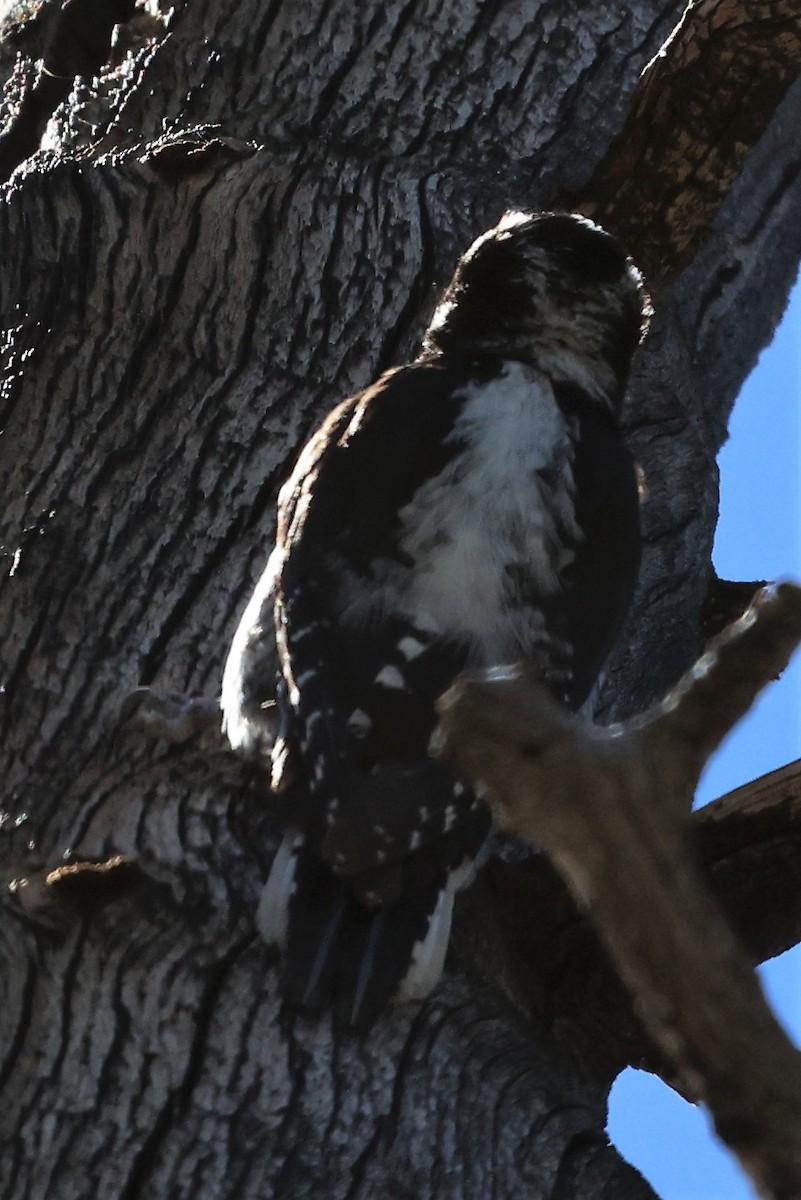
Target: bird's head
x=550 y=289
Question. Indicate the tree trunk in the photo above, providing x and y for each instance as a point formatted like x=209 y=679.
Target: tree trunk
x=244 y=220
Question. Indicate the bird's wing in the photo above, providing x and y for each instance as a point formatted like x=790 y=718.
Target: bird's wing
x=361 y=693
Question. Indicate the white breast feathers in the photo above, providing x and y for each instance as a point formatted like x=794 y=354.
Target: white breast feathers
x=502 y=506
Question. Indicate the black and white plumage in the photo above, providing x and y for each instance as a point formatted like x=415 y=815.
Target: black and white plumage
x=475 y=507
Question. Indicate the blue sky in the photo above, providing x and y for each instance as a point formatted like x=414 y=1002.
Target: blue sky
x=758 y=537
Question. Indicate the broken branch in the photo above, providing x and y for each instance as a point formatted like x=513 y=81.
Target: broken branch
x=609 y=806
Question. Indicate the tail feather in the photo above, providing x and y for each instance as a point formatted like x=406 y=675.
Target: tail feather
x=373 y=969
x=354 y=943
x=319 y=913
x=316 y=980
x=338 y=952
x=272 y=914
x=428 y=954
x=344 y=955
x=354 y=1006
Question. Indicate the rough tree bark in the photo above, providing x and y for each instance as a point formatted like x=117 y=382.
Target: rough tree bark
x=247 y=217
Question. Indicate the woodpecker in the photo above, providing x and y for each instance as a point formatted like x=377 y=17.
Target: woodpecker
x=475 y=507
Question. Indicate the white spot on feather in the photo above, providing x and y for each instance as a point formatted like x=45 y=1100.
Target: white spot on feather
x=390 y=677
x=410 y=648
x=297 y=635
x=359 y=721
